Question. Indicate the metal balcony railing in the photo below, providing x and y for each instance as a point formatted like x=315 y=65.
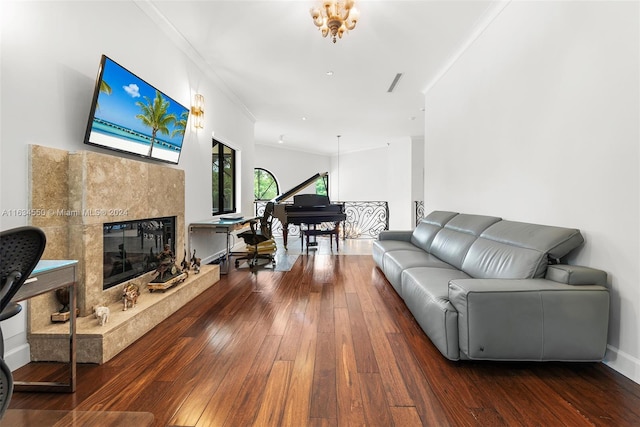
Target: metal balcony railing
x=419 y=211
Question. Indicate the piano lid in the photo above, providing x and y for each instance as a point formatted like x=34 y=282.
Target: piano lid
x=300 y=186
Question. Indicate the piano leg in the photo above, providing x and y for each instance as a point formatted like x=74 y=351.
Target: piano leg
x=285 y=233
x=337 y=233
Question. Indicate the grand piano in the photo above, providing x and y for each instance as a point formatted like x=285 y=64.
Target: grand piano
x=308 y=209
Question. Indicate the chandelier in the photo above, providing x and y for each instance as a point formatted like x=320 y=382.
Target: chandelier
x=335 y=17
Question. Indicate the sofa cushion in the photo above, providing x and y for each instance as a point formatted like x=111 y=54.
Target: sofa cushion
x=425 y=292
x=452 y=242
x=394 y=262
x=487 y=259
x=380 y=247
x=516 y=250
x=428 y=228
x=555 y=241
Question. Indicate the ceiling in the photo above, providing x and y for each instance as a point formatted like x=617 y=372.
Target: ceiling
x=271 y=59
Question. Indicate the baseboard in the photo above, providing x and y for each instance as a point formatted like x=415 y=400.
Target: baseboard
x=18 y=357
x=623 y=363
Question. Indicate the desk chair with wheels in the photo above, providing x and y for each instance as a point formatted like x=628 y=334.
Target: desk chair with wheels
x=259 y=239
x=20 y=251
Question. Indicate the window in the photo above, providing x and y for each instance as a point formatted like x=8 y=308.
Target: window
x=223 y=178
x=265 y=186
x=322 y=186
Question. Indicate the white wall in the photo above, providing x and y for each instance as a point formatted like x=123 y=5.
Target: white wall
x=50 y=57
x=538 y=121
x=377 y=175
x=417 y=172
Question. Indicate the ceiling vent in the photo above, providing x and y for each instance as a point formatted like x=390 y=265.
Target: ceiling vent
x=395 y=81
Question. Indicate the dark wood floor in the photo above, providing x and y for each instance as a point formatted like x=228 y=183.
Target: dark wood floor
x=327 y=343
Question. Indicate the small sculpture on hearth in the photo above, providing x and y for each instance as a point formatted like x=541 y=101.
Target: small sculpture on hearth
x=166 y=262
x=195 y=262
x=185 y=263
x=62 y=295
x=130 y=295
x=64 y=314
x=102 y=313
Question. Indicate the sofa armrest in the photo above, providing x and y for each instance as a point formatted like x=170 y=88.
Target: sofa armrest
x=530 y=319
x=402 y=235
x=576 y=275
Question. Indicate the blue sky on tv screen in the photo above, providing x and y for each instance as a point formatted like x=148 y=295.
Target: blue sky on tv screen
x=120 y=107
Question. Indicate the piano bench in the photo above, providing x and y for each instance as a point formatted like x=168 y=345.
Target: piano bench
x=305 y=234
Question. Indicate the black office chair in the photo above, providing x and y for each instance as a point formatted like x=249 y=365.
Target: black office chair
x=20 y=251
x=259 y=239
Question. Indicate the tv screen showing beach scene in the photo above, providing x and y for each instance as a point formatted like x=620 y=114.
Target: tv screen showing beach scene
x=131 y=116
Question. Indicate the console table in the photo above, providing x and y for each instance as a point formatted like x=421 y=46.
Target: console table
x=48 y=276
x=201 y=235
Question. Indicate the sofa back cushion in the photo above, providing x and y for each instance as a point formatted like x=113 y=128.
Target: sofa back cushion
x=517 y=250
x=458 y=234
x=429 y=226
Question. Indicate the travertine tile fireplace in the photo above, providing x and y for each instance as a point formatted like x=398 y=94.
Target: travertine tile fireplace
x=79 y=192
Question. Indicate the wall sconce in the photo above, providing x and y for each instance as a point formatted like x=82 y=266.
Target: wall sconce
x=197 y=111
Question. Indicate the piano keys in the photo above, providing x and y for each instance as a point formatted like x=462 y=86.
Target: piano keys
x=308 y=209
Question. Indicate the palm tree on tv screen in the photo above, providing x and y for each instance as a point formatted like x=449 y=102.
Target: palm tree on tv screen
x=154 y=115
x=181 y=124
x=104 y=87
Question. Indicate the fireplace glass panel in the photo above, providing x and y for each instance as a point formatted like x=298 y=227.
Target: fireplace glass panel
x=131 y=248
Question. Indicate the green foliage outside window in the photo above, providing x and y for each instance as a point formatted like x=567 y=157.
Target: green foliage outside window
x=321 y=187
x=265 y=186
x=223 y=184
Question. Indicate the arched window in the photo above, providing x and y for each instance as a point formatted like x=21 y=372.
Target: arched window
x=265 y=186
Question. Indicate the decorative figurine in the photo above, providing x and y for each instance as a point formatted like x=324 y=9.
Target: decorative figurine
x=185 y=263
x=64 y=314
x=130 y=295
x=168 y=273
x=195 y=263
x=62 y=295
x=102 y=314
x=166 y=262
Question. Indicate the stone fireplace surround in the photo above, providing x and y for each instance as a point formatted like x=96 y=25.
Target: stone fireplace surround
x=78 y=192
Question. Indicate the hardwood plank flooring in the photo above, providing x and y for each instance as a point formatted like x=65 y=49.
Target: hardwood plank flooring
x=328 y=343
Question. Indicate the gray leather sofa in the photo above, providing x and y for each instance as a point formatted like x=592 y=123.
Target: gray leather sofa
x=483 y=288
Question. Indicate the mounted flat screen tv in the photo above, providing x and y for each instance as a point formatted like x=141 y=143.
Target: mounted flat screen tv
x=131 y=116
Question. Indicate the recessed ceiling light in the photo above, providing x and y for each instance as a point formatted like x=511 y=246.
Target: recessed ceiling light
x=304 y=118
x=329 y=73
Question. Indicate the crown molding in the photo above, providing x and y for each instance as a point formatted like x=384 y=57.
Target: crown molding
x=484 y=21
x=161 y=21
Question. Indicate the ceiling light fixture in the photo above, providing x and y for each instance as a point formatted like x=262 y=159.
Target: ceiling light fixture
x=281 y=140
x=335 y=17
